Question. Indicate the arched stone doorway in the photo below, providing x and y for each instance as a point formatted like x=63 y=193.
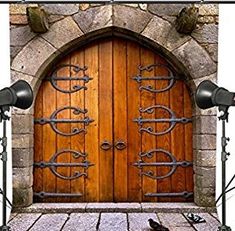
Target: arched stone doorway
x=183 y=52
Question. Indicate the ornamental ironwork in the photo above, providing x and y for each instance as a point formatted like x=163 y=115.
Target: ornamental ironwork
x=52 y=164
x=140 y=78
x=43 y=194
x=55 y=78
x=184 y=194
x=173 y=164
x=172 y=120
x=53 y=121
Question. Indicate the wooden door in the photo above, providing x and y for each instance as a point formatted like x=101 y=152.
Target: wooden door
x=113 y=123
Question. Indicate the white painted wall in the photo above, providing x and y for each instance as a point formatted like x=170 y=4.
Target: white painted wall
x=4 y=82
x=226 y=78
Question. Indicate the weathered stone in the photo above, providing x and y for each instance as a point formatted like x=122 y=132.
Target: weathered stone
x=18 y=19
x=164 y=34
x=131 y=5
x=139 y=221
x=23 y=221
x=207 y=33
x=63 y=9
x=205 y=158
x=19 y=8
x=22 y=141
x=22 y=177
x=204 y=124
x=14 y=51
x=21 y=35
x=22 y=197
x=143 y=6
x=204 y=142
x=130 y=18
x=55 y=18
x=203 y=199
x=22 y=124
x=204 y=177
x=166 y=9
x=208 y=9
x=84 y=6
x=195 y=59
x=212 y=49
x=173 y=220
x=62 y=32
x=206 y=19
x=113 y=207
x=170 y=19
x=113 y=222
x=22 y=157
x=52 y=222
x=33 y=56
x=94 y=18
x=85 y=221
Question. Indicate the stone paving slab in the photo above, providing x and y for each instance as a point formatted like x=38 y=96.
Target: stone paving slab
x=23 y=221
x=139 y=221
x=50 y=222
x=113 y=207
x=210 y=224
x=113 y=222
x=82 y=221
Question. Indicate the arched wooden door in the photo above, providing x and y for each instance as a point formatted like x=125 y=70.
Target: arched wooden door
x=113 y=123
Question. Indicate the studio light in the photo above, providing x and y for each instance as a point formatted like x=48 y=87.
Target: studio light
x=18 y=95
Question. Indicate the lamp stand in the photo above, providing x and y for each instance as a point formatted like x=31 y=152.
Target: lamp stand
x=224 y=155
x=4 y=117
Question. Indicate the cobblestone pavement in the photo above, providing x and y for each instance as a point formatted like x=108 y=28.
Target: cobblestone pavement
x=110 y=217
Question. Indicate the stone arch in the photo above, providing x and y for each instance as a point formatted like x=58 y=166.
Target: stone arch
x=184 y=52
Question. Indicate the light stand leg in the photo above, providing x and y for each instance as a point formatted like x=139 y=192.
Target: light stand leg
x=4 y=226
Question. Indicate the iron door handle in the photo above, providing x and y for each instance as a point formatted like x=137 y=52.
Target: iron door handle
x=106 y=145
x=120 y=145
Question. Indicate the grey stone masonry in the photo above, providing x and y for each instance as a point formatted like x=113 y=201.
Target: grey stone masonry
x=18 y=124
x=22 y=157
x=22 y=177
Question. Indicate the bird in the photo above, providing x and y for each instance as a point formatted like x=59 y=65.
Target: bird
x=156 y=226
x=187 y=19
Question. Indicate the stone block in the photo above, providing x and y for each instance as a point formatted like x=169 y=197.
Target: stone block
x=22 y=124
x=204 y=124
x=204 y=142
x=207 y=33
x=205 y=158
x=18 y=19
x=172 y=220
x=201 y=199
x=166 y=9
x=206 y=19
x=204 y=177
x=22 y=157
x=22 y=197
x=94 y=18
x=21 y=35
x=84 y=6
x=19 y=8
x=113 y=207
x=22 y=141
x=208 y=9
x=22 y=177
x=14 y=51
x=55 y=18
x=163 y=33
x=33 y=56
x=212 y=49
x=130 y=18
x=143 y=6
x=62 y=32
x=61 y=9
x=196 y=59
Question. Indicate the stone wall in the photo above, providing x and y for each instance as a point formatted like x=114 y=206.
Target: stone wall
x=195 y=56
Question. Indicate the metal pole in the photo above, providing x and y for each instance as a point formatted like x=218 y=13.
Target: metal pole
x=4 y=226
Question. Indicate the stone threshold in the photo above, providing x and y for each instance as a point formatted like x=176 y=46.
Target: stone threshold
x=115 y=207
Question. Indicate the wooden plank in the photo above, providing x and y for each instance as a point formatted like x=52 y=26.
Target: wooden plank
x=78 y=141
x=149 y=185
x=38 y=144
x=163 y=141
x=82 y=221
x=120 y=119
x=177 y=138
x=52 y=222
x=188 y=141
x=105 y=121
x=63 y=142
x=91 y=138
x=23 y=221
x=134 y=137
x=49 y=138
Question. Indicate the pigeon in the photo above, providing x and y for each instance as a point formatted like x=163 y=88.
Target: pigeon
x=156 y=226
x=195 y=218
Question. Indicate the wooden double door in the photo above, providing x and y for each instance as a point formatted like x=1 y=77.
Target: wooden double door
x=113 y=123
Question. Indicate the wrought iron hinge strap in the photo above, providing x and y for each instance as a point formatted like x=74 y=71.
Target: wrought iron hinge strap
x=43 y=121
x=183 y=120
x=184 y=164
x=42 y=164
x=46 y=194
x=184 y=194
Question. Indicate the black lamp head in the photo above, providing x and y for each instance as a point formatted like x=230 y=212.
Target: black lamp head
x=19 y=95
x=209 y=95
